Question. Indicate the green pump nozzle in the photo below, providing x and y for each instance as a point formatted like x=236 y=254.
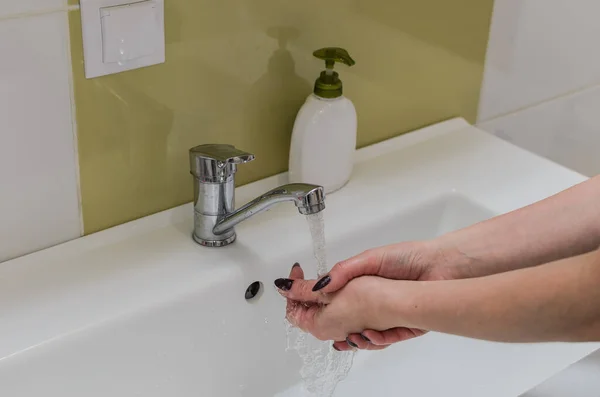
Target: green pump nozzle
x=329 y=85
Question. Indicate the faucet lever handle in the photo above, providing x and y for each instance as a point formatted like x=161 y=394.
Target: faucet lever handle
x=216 y=162
x=222 y=153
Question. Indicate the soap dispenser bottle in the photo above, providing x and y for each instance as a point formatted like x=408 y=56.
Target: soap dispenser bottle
x=324 y=134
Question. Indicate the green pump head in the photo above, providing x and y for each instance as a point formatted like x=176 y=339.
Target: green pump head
x=329 y=85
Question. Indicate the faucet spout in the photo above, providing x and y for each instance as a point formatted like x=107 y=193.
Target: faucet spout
x=310 y=199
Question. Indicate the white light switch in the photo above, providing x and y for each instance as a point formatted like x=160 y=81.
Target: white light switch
x=121 y=35
x=129 y=32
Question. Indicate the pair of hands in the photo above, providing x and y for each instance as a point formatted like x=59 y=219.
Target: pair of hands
x=345 y=305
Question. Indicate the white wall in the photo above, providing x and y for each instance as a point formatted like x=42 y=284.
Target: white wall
x=39 y=204
x=541 y=87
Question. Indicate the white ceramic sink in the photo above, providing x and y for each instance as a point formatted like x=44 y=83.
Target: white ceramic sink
x=142 y=310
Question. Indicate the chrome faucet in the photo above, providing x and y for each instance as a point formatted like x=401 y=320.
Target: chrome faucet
x=214 y=167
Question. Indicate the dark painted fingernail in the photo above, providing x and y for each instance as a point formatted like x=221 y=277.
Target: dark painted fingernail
x=284 y=284
x=336 y=348
x=295 y=265
x=322 y=283
x=365 y=338
x=352 y=344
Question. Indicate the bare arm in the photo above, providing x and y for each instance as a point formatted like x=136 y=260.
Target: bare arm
x=561 y=226
x=564 y=225
x=559 y=301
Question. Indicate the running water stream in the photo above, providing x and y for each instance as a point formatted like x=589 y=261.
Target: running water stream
x=322 y=366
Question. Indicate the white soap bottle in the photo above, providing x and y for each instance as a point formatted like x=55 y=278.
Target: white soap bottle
x=324 y=134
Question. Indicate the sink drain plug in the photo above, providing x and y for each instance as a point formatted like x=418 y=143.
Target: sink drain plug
x=254 y=290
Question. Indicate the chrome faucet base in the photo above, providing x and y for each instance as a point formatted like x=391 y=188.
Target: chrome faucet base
x=214 y=243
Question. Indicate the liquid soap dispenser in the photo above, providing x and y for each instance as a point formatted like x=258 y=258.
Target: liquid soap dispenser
x=324 y=134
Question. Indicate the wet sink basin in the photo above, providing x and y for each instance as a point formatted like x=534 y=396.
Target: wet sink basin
x=142 y=310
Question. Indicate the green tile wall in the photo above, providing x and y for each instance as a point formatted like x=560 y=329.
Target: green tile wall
x=237 y=71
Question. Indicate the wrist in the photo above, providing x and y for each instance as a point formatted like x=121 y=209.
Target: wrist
x=399 y=303
x=449 y=261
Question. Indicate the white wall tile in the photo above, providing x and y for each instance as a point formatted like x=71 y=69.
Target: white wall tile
x=12 y=7
x=39 y=203
x=538 y=50
x=565 y=130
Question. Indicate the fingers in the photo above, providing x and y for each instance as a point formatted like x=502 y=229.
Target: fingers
x=360 y=341
x=302 y=291
x=345 y=346
x=297 y=289
x=301 y=315
x=391 y=336
x=357 y=342
x=367 y=263
x=342 y=346
x=377 y=340
x=285 y=284
x=297 y=273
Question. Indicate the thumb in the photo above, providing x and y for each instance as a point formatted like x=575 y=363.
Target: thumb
x=366 y=264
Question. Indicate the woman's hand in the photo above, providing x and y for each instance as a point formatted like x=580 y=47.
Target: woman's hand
x=418 y=260
x=423 y=261
x=554 y=302
x=364 y=303
x=312 y=314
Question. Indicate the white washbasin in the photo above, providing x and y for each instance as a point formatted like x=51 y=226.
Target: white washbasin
x=142 y=310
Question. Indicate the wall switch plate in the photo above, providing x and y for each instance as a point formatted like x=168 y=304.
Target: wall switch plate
x=121 y=35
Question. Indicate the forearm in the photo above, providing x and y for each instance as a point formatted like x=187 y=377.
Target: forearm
x=564 y=225
x=554 y=302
